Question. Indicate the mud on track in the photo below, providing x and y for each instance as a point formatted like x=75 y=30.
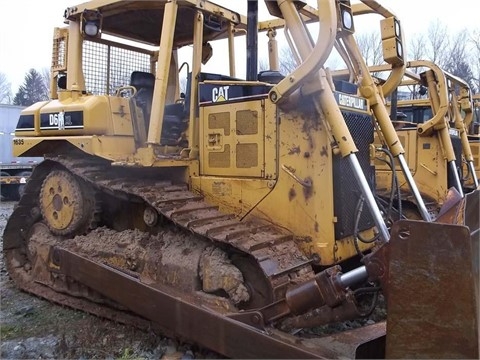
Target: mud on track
x=32 y=328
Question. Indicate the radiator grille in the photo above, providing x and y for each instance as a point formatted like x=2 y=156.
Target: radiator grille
x=247 y=155
x=220 y=121
x=220 y=159
x=247 y=122
x=59 y=50
x=346 y=189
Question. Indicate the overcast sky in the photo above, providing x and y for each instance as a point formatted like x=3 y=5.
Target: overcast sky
x=27 y=26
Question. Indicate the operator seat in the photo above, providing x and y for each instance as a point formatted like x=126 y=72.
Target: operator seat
x=144 y=83
x=174 y=123
x=270 y=76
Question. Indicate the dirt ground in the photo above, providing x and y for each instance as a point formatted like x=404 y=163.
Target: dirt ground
x=32 y=328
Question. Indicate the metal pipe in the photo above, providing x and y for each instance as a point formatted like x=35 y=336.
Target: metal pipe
x=231 y=48
x=352 y=72
x=75 y=79
x=368 y=196
x=291 y=44
x=193 y=129
x=161 y=76
x=461 y=125
x=252 y=40
x=354 y=277
x=418 y=198
x=273 y=50
x=458 y=184
x=472 y=171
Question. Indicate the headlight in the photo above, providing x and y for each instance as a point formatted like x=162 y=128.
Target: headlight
x=347 y=20
x=399 y=49
x=91 y=28
x=91 y=23
x=397 y=29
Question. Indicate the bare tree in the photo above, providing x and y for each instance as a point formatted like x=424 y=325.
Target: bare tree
x=458 y=61
x=334 y=61
x=475 y=55
x=458 y=54
x=370 y=46
x=263 y=64
x=288 y=62
x=417 y=48
x=438 y=40
x=5 y=90
x=45 y=74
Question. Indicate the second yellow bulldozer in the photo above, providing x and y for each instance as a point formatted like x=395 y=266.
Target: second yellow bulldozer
x=433 y=131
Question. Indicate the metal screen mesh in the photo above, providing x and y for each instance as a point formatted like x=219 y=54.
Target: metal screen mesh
x=59 y=50
x=107 y=67
x=347 y=192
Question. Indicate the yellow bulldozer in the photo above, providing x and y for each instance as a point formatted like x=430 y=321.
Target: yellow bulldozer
x=432 y=126
x=240 y=214
x=472 y=125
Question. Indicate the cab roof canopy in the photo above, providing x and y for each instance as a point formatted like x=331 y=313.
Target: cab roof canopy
x=142 y=20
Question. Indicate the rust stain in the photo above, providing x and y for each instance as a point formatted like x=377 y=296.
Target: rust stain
x=291 y=194
x=324 y=151
x=308 y=190
x=303 y=239
x=294 y=150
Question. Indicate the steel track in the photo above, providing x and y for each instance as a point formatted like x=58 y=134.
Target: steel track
x=271 y=248
x=274 y=250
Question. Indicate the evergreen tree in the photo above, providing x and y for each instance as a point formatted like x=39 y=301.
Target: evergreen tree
x=32 y=90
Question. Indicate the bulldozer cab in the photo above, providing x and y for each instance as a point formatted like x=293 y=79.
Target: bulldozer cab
x=97 y=32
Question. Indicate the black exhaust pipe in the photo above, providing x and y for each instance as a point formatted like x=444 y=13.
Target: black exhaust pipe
x=252 y=40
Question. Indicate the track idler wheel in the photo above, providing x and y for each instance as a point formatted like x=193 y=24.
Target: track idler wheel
x=259 y=288
x=67 y=203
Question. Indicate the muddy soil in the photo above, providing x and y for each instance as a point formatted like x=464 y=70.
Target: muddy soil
x=32 y=328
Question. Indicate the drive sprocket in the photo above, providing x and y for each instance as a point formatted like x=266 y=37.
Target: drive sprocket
x=67 y=203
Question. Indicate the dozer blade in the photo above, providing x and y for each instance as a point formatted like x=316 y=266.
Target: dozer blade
x=180 y=315
x=433 y=305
